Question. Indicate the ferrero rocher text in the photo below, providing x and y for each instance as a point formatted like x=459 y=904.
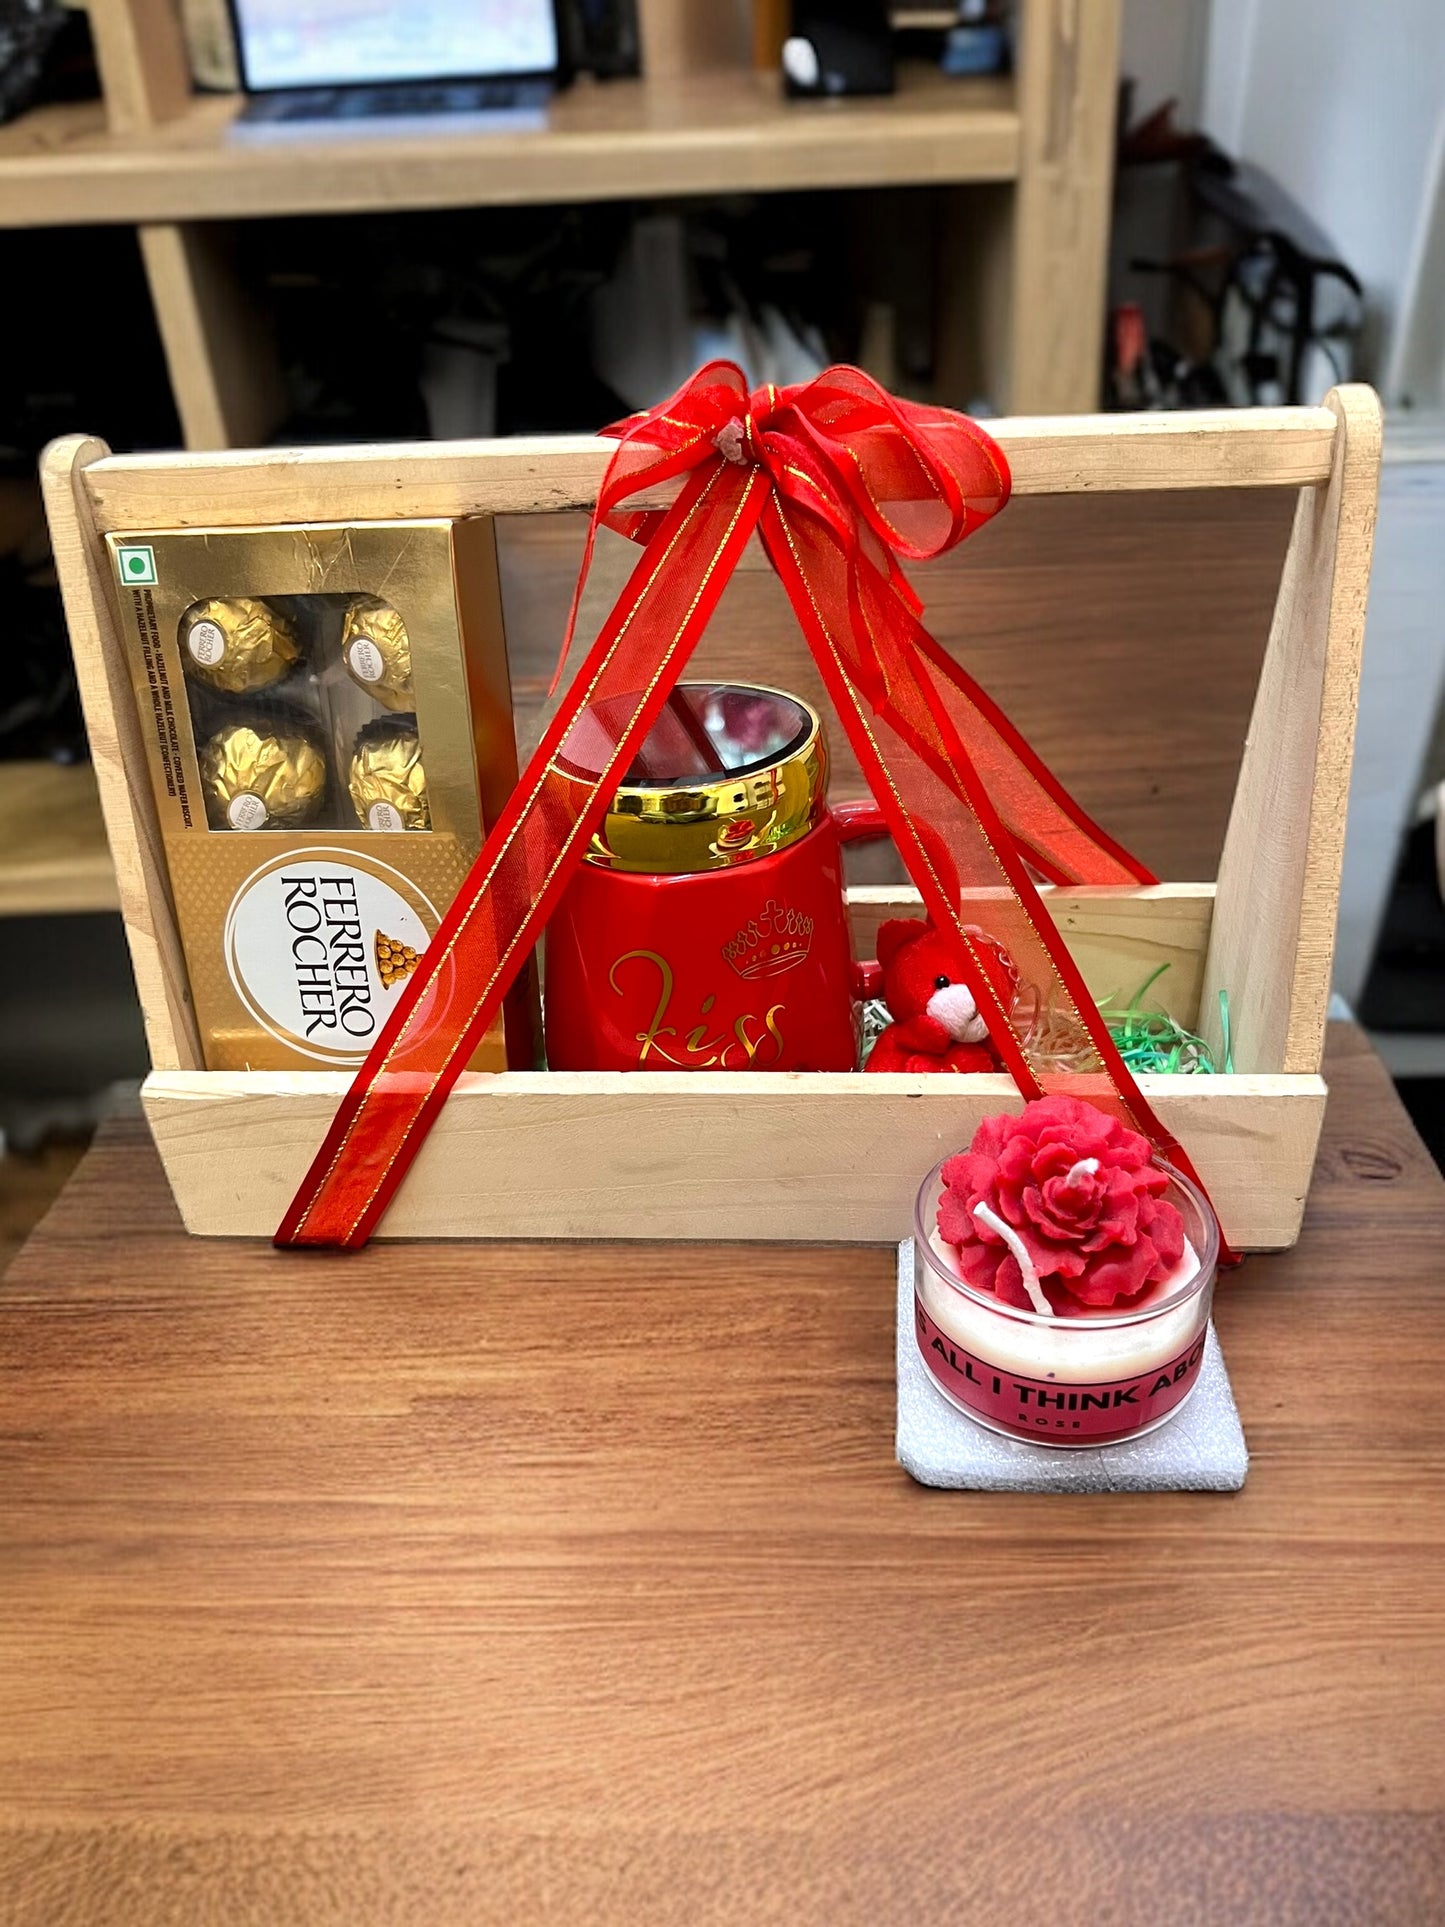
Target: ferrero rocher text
x=255 y=779
x=386 y=780
x=377 y=651
x=237 y=644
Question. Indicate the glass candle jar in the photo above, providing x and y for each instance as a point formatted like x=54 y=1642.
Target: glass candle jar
x=1076 y=1378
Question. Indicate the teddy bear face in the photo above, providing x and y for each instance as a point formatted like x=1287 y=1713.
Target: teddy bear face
x=923 y=975
x=952 y=1005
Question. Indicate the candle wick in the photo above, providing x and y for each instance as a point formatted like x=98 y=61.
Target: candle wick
x=1085 y=1168
x=1020 y=1251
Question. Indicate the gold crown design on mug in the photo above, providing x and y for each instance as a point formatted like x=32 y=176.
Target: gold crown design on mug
x=775 y=940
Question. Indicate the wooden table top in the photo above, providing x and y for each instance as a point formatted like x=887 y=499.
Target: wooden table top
x=460 y=1583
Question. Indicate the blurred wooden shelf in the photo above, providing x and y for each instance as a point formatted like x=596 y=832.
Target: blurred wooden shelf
x=1022 y=167
x=54 y=858
x=729 y=131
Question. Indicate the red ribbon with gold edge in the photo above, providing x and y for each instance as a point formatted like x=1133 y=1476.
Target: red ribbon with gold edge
x=843 y=483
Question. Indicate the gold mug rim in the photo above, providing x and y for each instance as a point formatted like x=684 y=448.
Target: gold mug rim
x=685 y=827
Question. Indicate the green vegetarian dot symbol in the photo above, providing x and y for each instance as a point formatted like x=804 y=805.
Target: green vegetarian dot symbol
x=137 y=565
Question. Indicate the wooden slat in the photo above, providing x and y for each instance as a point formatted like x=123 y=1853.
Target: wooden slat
x=1063 y=455
x=1116 y=937
x=1279 y=874
x=589 y=1155
x=118 y=752
x=1209 y=448
x=729 y=131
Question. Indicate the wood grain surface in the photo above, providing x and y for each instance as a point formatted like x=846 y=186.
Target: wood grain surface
x=118 y=757
x=726 y=132
x=1229 y=449
x=583 y=1155
x=1272 y=944
x=1123 y=635
x=461 y=1584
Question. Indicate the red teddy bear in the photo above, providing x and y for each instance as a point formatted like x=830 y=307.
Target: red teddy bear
x=936 y=1023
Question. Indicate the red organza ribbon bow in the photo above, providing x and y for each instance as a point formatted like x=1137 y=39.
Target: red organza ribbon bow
x=843 y=483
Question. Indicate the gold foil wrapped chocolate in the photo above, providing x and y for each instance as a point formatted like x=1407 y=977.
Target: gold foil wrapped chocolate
x=386 y=780
x=377 y=650
x=261 y=778
x=237 y=644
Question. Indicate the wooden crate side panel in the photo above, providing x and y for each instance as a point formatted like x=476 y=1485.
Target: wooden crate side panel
x=1116 y=937
x=1049 y=455
x=117 y=749
x=1279 y=875
x=772 y=1157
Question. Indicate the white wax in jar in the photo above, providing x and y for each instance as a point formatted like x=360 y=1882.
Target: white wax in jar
x=1078 y=1349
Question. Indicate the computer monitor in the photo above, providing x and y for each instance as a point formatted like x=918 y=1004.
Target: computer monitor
x=364 y=43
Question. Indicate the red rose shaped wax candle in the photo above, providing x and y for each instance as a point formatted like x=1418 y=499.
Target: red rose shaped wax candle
x=1063 y=1277
x=1078 y=1190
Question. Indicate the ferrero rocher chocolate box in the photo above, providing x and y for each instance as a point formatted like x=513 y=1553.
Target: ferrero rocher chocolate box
x=327 y=716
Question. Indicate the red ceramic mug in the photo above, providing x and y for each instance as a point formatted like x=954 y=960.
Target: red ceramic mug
x=706 y=928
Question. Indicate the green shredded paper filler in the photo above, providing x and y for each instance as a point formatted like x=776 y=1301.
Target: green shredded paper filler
x=1151 y=1040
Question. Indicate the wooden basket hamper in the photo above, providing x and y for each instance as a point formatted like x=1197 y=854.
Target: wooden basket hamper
x=823 y=1156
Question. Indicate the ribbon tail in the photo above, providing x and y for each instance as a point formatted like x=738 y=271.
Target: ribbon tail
x=950 y=827
x=492 y=926
x=1126 y=1094
x=1057 y=835
x=926 y=854
x=1062 y=839
x=1051 y=828
x=628 y=474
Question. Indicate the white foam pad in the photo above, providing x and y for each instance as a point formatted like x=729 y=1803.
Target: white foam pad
x=1201 y=1449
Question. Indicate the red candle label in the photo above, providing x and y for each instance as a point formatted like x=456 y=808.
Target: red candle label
x=1038 y=1408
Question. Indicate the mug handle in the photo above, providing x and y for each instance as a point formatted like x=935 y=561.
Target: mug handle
x=859 y=819
x=855 y=821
